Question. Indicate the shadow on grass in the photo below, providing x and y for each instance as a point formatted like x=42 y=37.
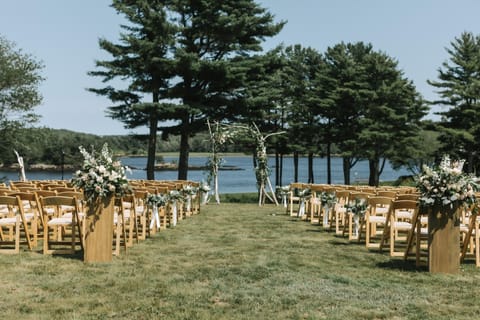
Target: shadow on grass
x=71 y=256
x=402 y=265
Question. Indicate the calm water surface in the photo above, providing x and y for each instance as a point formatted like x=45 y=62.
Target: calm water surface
x=235 y=181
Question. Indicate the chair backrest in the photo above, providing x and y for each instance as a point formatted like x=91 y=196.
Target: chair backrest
x=387 y=193
x=77 y=194
x=342 y=196
x=12 y=202
x=59 y=203
x=45 y=193
x=404 y=205
x=379 y=201
x=407 y=196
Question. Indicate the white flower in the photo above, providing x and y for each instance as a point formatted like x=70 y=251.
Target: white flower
x=100 y=176
x=446 y=184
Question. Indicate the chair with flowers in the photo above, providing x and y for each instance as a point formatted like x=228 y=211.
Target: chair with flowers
x=293 y=197
x=189 y=193
x=156 y=204
x=356 y=208
x=327 y=201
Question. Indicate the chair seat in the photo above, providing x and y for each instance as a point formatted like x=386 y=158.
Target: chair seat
x=60 y=221
x=400 y=225
x=381 y=210
x=404 y=214
x=377 y=219
x=10 y=221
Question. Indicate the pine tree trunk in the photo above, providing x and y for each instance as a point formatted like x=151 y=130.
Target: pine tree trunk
x=280 y=180
x=152 y=142
x=184 y=151
x=295 y=166
x=329 y=163
x=310 y=168
x=346 y=170
x=373 y=178
x=277 y=169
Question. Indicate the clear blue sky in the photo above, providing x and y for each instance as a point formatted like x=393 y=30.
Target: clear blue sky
x=64 y=35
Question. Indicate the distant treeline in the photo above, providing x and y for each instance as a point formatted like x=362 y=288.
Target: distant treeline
x=53 y=146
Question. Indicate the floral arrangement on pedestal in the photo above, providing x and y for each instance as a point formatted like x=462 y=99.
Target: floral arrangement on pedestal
x=445 y=189
x=446 y=185
x=100 y=176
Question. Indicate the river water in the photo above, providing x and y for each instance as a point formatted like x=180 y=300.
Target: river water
x=242 y=180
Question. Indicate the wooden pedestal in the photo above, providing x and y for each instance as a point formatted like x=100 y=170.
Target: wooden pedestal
x=99 y=230
x=443 y=240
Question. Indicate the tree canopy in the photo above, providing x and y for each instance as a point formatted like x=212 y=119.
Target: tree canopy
x=20 y=77
x=191 y=56
x=458 y=86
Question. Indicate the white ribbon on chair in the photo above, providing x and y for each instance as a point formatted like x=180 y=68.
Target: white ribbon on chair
x=301 y=209
x=284 y=200
x=174 y=213
x=155 y=218
x=188 y=204
x=326 y=216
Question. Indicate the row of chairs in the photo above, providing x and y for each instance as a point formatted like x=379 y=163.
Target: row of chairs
x=30 y=211
x=392 y=219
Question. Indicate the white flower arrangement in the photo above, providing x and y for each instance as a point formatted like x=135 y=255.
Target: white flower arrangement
x=157 y=200
x=283 y=190
x=304 y=193
x=358 y=207
x=446 y=184
x=204 y=187
x=327 y=198
x=175 y=195
x=101 y=176
x=189 y=190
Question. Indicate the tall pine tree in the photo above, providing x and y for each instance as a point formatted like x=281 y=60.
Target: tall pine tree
x=458 y=86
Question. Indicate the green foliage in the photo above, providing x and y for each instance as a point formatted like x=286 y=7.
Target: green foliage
x=19 y=81
x=192 y=57
x=458 y=86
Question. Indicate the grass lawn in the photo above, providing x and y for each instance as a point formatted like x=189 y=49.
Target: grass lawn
x=236 y=261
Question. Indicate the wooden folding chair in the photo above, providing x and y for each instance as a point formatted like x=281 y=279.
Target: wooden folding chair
x=14 y=226
x=31 y=209
x=63 y=227
x=401 y=224
x=375 y=219
x=119 y=229
x=339 y=212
